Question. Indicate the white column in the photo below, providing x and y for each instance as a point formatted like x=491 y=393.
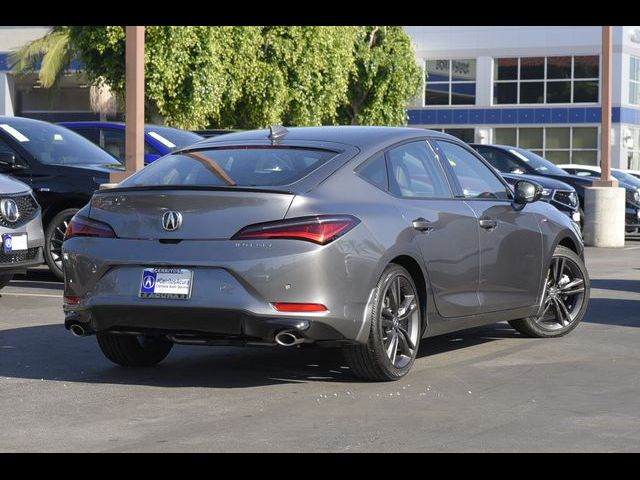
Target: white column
x=484 y=81
x=6 y=100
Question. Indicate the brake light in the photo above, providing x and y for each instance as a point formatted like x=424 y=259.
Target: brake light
x=71 y=300
x=84 y=227
x=320 y=229
x=299 y=307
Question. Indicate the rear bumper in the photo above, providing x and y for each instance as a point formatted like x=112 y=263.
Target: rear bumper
x=234 y=287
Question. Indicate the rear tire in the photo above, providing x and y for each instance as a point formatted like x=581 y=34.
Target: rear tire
x=53 y=238
x=395 y=331
x=565 y=298
x=4 y=280
x=134 y=351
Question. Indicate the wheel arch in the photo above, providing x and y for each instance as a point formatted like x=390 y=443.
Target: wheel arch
x=419 y=277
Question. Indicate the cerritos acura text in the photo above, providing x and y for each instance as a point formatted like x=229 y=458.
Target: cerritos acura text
x=368 y=238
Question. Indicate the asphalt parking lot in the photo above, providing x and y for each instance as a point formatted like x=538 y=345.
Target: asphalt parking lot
x=486 y=389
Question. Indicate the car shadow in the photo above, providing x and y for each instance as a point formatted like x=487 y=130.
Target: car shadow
x=613 y=311
x=619 y=285
x=49 y=352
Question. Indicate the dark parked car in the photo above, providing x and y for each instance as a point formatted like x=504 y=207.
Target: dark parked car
x=559 y=194
x=517 y=161
x=62 y=168
x=158 y=140
x=21 y=237
x=368 y=238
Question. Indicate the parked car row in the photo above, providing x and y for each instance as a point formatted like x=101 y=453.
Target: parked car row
x=518 y=161
x=63 y=168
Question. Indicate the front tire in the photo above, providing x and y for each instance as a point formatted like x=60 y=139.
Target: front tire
x=395 y=332
x=4 y=280
x=564 y=300
x=53 y=238
x=134 y=351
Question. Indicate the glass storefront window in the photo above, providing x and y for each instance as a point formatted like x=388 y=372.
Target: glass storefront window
x=634 y=81
x=556 y=144
x=450 y=82
x=534 y=80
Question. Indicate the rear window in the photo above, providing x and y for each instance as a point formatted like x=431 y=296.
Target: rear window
x=242 y=167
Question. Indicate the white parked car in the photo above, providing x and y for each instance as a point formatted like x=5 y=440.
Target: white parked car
x=21 y=235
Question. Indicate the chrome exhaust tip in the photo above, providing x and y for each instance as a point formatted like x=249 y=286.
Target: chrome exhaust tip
x=288 y=338
x=77 y=330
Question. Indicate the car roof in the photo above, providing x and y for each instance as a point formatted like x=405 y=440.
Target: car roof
x=358 y=136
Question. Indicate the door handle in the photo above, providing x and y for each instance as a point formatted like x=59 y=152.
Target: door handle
x=488 y=223
x=422 y=224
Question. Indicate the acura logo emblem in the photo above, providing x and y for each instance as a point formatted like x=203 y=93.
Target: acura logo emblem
x=9 y=210
x=171 y=221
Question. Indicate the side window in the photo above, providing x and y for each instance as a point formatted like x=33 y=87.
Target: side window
x=500 y=160
x=91 y=134
x=113 y=142
x=414 y=171
x=476 y=180
x=150 y=149
x=375 y=170
x=5 y=147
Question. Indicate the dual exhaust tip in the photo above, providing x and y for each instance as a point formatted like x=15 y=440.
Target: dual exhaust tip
x=289 y=338
x=77 y=330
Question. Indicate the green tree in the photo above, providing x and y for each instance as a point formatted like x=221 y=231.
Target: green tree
x=247 y=77
x=385 y=79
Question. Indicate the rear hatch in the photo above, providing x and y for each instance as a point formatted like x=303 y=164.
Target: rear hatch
x=204 y=214
x=214 y=190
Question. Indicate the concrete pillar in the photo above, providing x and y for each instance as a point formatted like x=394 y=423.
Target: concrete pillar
x=6 y=99
x=604 y=216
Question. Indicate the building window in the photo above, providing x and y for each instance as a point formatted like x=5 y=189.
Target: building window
x=465 y=134
x=533 y=80
x=450 y=82
x=556 y=144
x=634 y=81
x=631 y=141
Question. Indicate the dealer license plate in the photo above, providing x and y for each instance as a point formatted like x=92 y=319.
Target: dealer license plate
x=173 y=283
x=14 y=243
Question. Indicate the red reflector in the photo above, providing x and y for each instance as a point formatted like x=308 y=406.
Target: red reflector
x=71 y=300
x=321 y=229
x=300 y=307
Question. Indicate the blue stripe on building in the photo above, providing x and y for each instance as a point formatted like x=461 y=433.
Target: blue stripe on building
x=519 y=116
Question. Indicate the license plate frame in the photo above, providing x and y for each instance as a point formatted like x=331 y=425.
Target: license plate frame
x=15 y=243
x=172 y=283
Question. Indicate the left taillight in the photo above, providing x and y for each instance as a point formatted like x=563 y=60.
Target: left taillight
x=85 y=227
x=320 y=229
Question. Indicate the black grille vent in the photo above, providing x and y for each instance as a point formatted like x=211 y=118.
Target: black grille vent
x=18 y=257
x=27 y=206
x=564 y=197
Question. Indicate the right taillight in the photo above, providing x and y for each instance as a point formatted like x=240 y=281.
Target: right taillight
x=320 y=229
x=85 y=227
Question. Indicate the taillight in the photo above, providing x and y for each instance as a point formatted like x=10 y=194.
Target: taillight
x=84 y=227
x=320 y=229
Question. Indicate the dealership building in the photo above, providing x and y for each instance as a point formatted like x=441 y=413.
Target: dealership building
x=538 y=87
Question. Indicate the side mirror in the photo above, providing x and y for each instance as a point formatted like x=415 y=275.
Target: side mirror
x=526 y=192
x=7 y=161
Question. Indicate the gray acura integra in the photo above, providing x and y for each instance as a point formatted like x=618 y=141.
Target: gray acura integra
x=368 y=238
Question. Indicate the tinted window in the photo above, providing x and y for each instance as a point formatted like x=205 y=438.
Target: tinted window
x=500 y=160
x=6 y=148
x=375 y=170
x=245 y=167
x=537 y=162
x=113 y=142
x=55 y=145
x=476 y=179
x=91 y=134
x=416 y=172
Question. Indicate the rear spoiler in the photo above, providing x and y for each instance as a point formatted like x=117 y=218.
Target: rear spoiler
x=197 y=188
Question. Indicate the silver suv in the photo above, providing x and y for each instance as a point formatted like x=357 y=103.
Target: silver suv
x=21 y=236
